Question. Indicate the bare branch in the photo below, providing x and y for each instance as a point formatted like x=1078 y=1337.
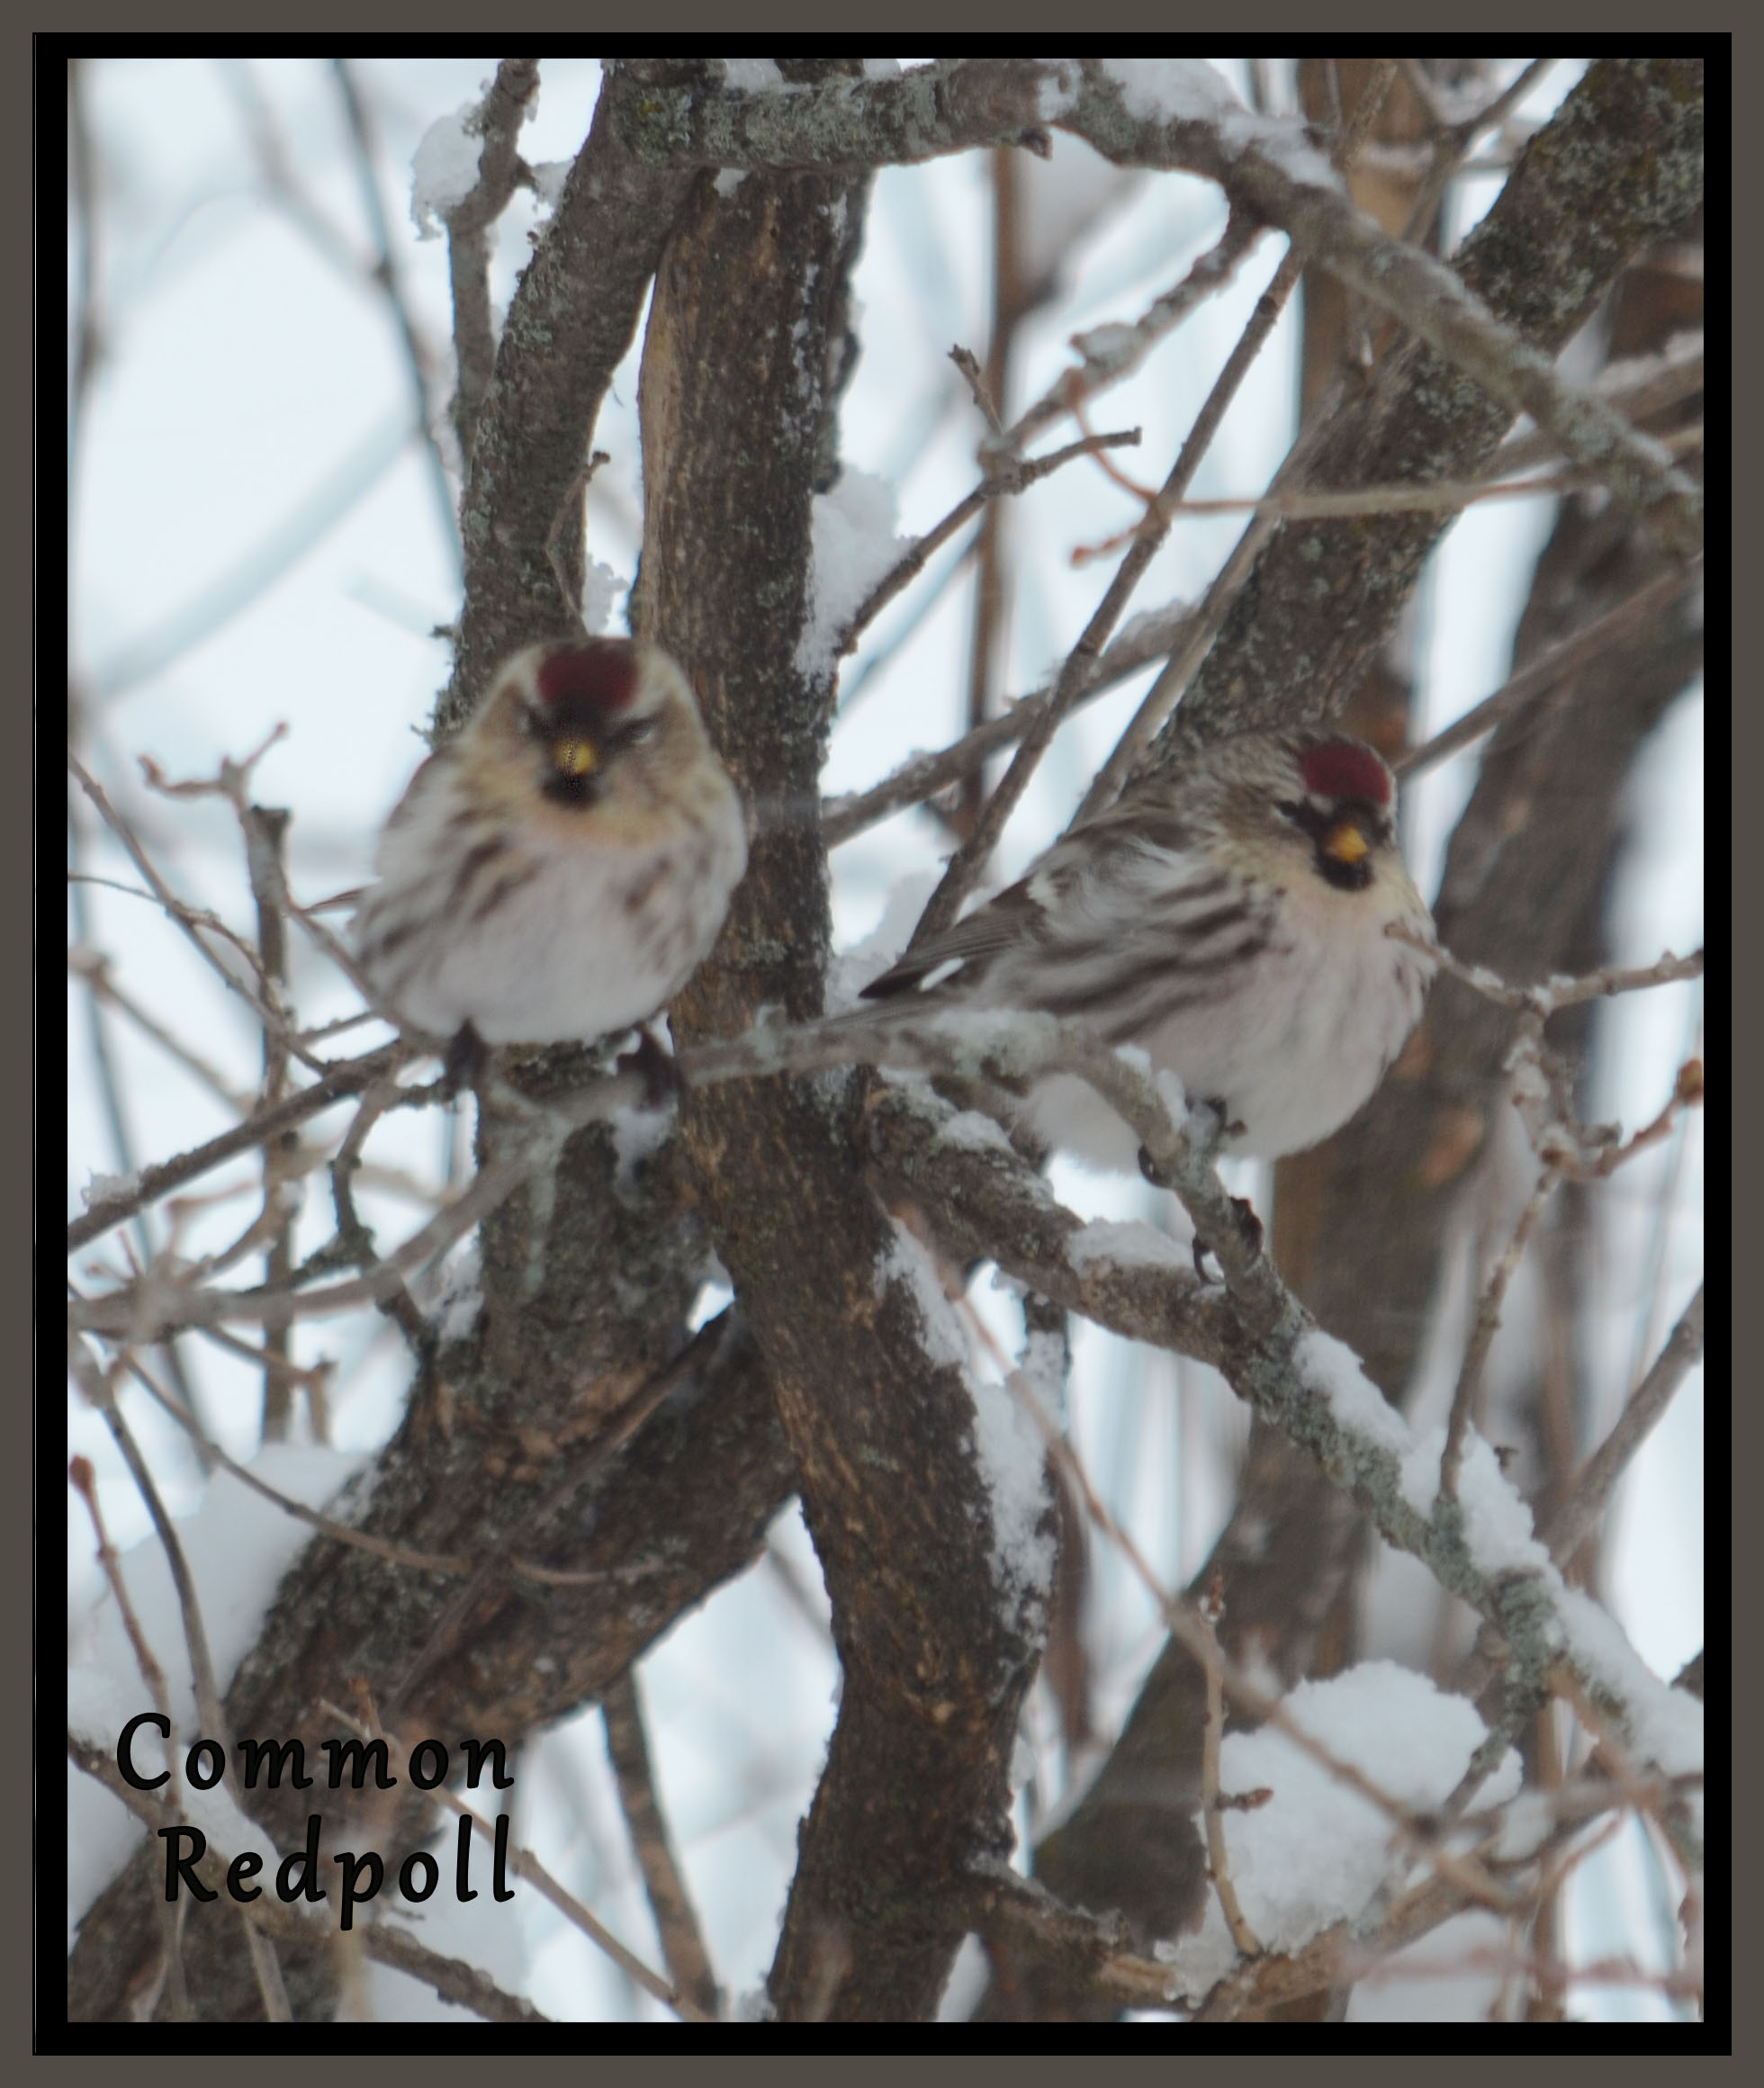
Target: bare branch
x=524 y=1864
x=1010 y=477
x=1212 y=1794
x=498 y=121
x=385 y=1941
x=338 y=1084
x=1110 y=354
x=1574 y=1522
x=1482 y=1336
x=1568 y=656
x=682 y=1945
x=1265 y=164
x=1144 y=639
x=355 y=114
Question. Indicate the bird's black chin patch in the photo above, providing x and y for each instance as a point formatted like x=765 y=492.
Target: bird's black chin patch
x=1344 y=877
x=576 y=791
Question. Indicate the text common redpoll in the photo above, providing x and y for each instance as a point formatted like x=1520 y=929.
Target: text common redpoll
x=558 y=870
x=1230 y=920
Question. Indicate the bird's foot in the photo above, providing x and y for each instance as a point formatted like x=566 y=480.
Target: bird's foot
x=467 y=1059
x=655 y=1067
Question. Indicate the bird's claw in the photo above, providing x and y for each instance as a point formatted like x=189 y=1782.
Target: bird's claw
x=658 y=1071
x=468 y=1056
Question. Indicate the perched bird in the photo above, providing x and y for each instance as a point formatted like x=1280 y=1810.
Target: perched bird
x=1229 y=919
x=559 y=869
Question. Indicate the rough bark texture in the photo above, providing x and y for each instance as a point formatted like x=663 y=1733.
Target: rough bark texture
x=1619 y=166
x=1361 y=1220
x=836 y=1372
x=498 y=1419
x=568 y=328
x=746 y=342
x=682 y=1507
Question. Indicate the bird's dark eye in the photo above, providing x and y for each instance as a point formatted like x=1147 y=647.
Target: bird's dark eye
x=1288 y=810
x=631 y=735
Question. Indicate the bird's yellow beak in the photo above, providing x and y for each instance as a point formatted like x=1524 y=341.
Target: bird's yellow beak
x=1344 y=842
x=574 y=757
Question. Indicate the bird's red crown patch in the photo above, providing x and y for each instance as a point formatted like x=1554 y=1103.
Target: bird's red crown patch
x=1343 y=769
x=593 y=677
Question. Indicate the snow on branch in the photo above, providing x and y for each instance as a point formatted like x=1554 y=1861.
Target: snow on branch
x=1177 y=115
x=1478 y=1543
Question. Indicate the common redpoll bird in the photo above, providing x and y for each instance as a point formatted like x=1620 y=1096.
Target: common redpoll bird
x=1229 y=919
x=560 y=869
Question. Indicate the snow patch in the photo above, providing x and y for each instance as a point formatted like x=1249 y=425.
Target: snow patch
x=443 y=171
x=729 y=180
x=1013 y=1463
x=461 y=1299
x=1317 y=1852
x=1331 y=1370
x=1173 y=90
x=601 y=588
x=976 y=1133
x=852 y=546
x=1187 y=90
x=1665 y=1724
x=1007 y=1444
x=906 y=1261
x=549 y=176
x=1129 y=1245
x=752 y=76
x=638 y=1135
x=101 y=1188
x=1056 y=95
x=1043 y=1366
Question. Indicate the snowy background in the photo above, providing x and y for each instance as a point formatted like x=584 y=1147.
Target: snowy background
x=262 y=536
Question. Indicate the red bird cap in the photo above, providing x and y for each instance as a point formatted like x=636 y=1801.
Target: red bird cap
x=1344 y=768
x=598 y=676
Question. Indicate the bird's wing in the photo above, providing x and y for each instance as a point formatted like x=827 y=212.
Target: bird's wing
x=1059 y=895
x=1000 y=925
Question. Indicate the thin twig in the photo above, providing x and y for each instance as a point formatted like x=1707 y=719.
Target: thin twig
x=1575 y=1520
x=498 y=121
x=386 y=273
x=1569 y=656
x=1211 y=1796
x=1481 y=1335
x=1110 y=353
x=387 y=1942
x=341 y=1532
x=1011 y=478
x=970 y=860
x=209 y=1709
x=83 y=1480
x=1146 y=638
x=354 y=1239
x=337 y=1083
x=1553 y=994
x=524 y=1865
x=93 y=967
x=1454 y=142
x=1638 y=386
x=186 y=917
x=1426 y=497
x=1166 y=690
x=682 y=1944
